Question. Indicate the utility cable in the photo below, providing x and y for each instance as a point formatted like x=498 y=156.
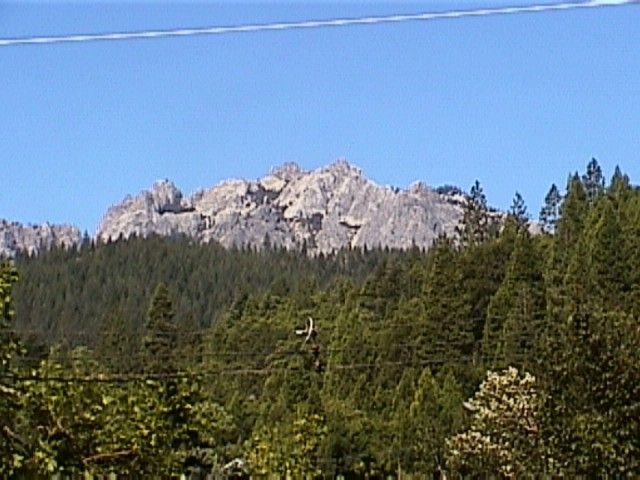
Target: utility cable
x=311 y=24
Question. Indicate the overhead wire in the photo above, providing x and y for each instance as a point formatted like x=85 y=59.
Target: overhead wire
x=311 y=24
x=149 y=376
x=204 y=333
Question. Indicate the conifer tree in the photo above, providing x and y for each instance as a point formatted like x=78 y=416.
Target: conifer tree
x=477 y=225
x=609 y=267
x=568 y=239
x=160 y=340
x=515 y=311
x=593 y=181
x=550 y=211
x=573 y=215
x=630 y=223
x=620 y=185
x=448 y=336
x=518 y=211
x=435 y=412
x=590 y=372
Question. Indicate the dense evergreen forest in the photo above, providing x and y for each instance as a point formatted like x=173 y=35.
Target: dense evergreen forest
x=496 y=353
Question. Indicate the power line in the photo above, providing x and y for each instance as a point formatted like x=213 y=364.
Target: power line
x=203 y=334
x=308 y=24
x=133 y=377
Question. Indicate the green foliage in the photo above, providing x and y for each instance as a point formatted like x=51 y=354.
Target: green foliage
x=90 y=424
x=478 y=225
x=550 y=211
x=518 y=212
x=160 y=341
x=503 y=436
x=516 y=308
x=591 y=377
x=421 y=421
x=12 y=446
x=76 y=296
x=593 y=181
x=173 y=358
x=288 y=451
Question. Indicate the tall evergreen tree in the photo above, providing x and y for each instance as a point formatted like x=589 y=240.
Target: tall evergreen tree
x=593 y=181
x=448 y=336
x=609 y=267
x=620 y=184
x=550 y=211
x=573 y=215
x=630 y=222
x=516 y=309
x=518 y=211
x=477 y=224
x=566 y=241
x=160 y=341
x=590 y=373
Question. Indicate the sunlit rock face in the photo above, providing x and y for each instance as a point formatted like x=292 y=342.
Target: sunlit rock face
x=32 y=239
x=322 y=210
x=161 y=210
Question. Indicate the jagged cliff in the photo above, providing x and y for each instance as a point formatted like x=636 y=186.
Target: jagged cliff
x=16 y=237
x=321 y=210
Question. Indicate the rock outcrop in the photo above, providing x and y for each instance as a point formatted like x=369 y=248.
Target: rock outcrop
x=162 y=211
x=32 y=239
x=322 y=211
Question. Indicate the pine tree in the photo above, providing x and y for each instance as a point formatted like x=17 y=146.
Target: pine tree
x=609 y=267
x=590 y=372
x=160 y=341
x=620 y=183
x=563 y=260
x=477 y=224
x=550 y=212
x=448 y=336
x=593 y=181
x=630 y=223
x=516 y=309
x=518 y=211
x=573 y=215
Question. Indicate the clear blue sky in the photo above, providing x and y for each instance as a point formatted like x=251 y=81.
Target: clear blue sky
x=515 y=101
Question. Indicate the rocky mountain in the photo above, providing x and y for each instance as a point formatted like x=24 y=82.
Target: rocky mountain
x=321 y=210
x=16 y=237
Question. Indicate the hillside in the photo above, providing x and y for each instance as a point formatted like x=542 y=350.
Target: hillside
x=497 y=354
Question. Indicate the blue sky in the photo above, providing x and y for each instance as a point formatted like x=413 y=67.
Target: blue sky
x=516 y=101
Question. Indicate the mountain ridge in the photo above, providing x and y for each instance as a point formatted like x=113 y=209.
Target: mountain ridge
x=321 y=211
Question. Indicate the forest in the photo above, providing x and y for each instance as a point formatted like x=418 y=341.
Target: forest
x=497 y=352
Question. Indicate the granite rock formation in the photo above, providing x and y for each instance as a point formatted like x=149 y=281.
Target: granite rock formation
x=33 y=239
x=321 y=210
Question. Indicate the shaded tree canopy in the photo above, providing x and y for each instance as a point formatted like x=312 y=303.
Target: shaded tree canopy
x=495 y=354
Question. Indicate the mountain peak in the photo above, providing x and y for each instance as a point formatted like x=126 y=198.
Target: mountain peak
x=287 y=170
x=166 y=197
x=326 y=209
x=17 y=237
x=343 y=165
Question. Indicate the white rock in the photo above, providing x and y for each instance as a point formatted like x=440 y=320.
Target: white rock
x=327 y=209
